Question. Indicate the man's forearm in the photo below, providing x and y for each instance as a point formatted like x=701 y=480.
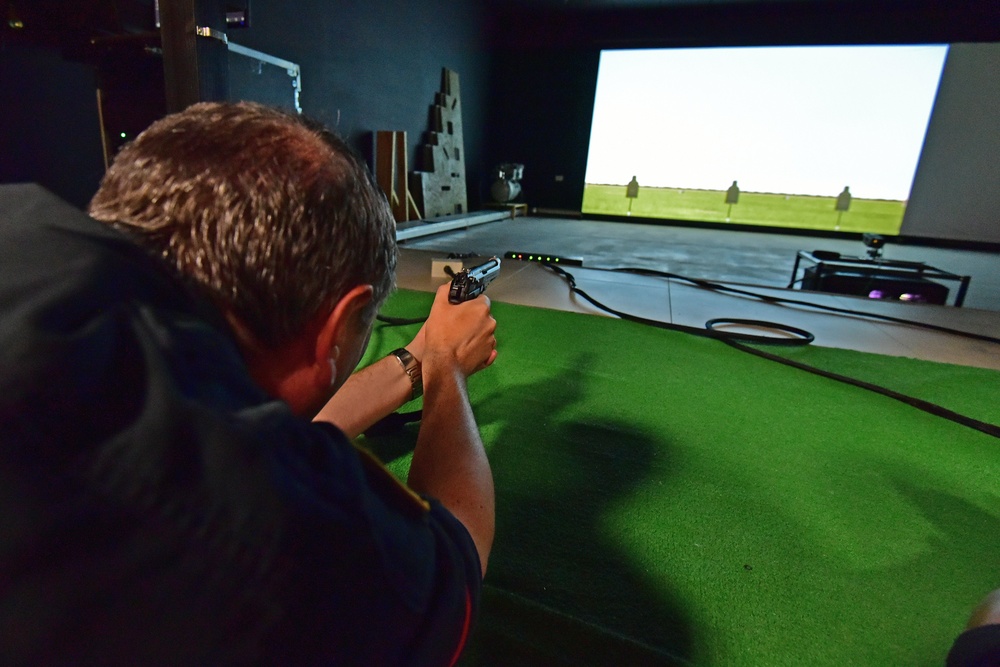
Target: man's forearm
x=368 y=395
x=449 y=462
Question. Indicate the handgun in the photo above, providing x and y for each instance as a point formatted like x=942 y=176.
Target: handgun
x=470 y=283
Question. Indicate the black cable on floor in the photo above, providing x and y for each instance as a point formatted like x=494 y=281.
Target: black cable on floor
x=399 y=321
x=799 y=336
x=920 y=404
x=707 y=284
x=737 y=341
x=393 y=423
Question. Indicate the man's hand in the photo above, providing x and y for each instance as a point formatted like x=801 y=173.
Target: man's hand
x=457 y=333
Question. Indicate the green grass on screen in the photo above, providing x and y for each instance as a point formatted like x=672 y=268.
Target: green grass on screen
x=753 y=208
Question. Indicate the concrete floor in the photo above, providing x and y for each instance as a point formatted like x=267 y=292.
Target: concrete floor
x=748 y=258
x=754 y=261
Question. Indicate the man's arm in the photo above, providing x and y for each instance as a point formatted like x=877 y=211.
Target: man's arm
x=449 y=461
x=369 y=395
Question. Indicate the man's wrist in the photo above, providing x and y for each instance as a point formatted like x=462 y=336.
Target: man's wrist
x=412 y=369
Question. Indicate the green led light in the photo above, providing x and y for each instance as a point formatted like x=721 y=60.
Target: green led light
x=123 y=135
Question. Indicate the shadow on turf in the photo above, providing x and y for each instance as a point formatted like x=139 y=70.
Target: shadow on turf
x=957 y=565
x=560 y=590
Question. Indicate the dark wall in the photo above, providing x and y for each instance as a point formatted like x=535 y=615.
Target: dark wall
x=547 y=59
x=50 y=133
x=543 y=101
x=366 y=66
x=49 y=51
x=376 y=65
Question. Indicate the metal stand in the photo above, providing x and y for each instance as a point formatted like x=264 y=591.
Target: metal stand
x=873 y=269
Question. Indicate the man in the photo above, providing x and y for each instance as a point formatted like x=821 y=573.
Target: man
x=167 y=496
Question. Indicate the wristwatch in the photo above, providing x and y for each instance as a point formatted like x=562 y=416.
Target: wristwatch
x=412 y=369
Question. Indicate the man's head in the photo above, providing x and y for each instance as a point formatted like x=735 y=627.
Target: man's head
x=275 y=219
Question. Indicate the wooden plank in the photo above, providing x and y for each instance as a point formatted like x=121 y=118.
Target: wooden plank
x=390 y=171
x=400 y=187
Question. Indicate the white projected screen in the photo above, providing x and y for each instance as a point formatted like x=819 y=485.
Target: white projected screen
x=799 y=121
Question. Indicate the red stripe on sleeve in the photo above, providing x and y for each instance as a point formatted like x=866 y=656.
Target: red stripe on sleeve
x=465 y=629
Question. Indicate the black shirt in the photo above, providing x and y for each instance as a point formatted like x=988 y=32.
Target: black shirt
x=157 y=507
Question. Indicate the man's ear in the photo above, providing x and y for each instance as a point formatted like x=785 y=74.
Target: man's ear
x=339 y=333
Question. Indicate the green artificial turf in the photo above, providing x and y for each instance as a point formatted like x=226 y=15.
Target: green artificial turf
x=753 y=208
x=666 y=499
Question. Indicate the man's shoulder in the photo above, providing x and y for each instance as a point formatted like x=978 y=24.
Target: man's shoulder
x=30 y=213
x=52 y=251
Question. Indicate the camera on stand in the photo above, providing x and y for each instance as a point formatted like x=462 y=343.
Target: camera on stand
x=875 y=243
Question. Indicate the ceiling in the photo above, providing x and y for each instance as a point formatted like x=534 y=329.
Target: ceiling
x=652 y=23
x=602 y=22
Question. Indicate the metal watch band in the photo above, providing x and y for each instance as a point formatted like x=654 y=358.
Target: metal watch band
x=412 y=369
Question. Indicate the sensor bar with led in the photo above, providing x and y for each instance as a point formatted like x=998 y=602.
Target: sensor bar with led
x=543 y=258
